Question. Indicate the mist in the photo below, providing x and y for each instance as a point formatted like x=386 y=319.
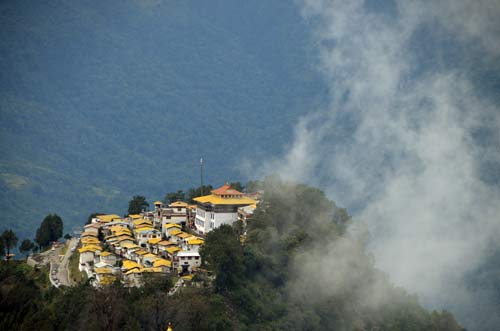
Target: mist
x=409 y=141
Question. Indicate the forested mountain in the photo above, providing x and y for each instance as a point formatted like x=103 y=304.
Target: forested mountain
x=103 y=100
x=298 y=270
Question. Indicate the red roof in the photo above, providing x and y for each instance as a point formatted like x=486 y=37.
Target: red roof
x=226 y=189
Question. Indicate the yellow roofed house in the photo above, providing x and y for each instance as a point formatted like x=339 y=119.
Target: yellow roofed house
x=87 y=255
x=142 y=221
x=89 y=240
x=194 y=244
x=220 y=207
x=159 y=263
x=115 y=229
x=108 y=258
x=89 y=234
x=90 y=248
x=129 y=265
x=177 y=237
x=167 y=228
x=174 y=232
x=108 y=218
x=154 y=241
x=172 y=250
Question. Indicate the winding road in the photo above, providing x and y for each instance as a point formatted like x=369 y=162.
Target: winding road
x=59 y=273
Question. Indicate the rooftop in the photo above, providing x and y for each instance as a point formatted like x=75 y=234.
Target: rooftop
x=178 y=204
x=217 y=200
x=226 y=189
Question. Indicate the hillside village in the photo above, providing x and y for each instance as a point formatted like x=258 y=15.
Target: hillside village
x=159 y=243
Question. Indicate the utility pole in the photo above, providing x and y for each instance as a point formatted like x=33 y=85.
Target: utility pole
x=201 y=175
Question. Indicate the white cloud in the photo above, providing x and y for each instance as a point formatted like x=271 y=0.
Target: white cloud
x=410 y=161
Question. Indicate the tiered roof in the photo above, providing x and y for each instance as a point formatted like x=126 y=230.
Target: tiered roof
x=225 y=195
x=227 y=190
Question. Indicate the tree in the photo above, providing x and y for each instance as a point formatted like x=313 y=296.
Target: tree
x=254 y=185
x=50 y=230
x=223 y=254
x=174 y=196
x=237 y=186
x=67 y=236
x=198 y=192
x=137 y=204
x=26 y=246
x=2 y=247
x=9 y=240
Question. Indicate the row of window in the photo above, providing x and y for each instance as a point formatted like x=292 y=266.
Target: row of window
x=189 y=258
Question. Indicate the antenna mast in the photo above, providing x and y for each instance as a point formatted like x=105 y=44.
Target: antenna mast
x=201 y=174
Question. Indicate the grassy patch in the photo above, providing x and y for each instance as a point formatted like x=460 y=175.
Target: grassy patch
x=74 y=273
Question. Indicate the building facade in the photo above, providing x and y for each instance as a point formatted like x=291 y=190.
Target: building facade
x=220 y=207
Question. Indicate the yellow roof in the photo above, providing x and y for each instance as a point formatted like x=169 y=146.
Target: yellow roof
x=108 y=218
x=90 y=240
x=171 y=225
x=134 y=271
x=104 y=270
x=90 y=248
x=128 y=264
x=142 y=226
x=135 y=216
x=173 y=249
x=154 y=240
x=196 y=242
x=106 y=253
x=141 y=252
x=175 y=231
x=141 y=221
x=150 y=255
x=143 y=229
x=187 y=277
x=162 y=263
x=178 y=204
x=88 y=234
x=165 y=243
x=183 y=235
x=141 y=270
x=129 y=245
x=123 y=234
x=119 y=228
x=215 y=200
x=157 y=203
x=124 y=238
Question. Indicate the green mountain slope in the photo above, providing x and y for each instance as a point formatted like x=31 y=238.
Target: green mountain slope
x=103 y=100
x=298 y=270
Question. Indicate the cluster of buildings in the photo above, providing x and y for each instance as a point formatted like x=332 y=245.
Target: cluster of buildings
x=160 y=242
